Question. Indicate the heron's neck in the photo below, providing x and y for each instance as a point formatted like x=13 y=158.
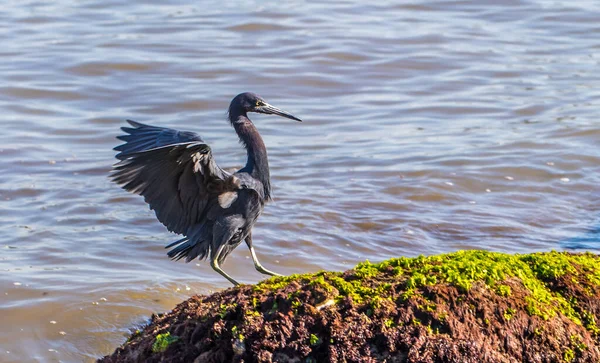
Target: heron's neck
x=258 y=163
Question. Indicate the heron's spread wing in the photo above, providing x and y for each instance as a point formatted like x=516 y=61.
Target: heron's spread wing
x=144 y=137
x=174 y=171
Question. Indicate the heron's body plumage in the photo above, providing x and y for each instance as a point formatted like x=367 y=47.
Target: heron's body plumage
x=191 y=195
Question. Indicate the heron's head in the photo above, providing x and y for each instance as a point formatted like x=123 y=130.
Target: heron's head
x=251 y=102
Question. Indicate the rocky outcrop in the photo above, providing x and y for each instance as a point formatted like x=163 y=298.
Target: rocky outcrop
x=468 y=306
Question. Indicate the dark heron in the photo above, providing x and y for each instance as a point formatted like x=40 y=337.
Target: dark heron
x=191 y=195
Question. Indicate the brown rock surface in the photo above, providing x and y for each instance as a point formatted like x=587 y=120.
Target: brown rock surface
x=392 y=312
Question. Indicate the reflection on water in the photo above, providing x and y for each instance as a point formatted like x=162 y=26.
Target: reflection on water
x=429 y=127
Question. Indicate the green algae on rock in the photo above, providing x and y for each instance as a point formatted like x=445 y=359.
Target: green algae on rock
x=467 y=306
x=162 y=341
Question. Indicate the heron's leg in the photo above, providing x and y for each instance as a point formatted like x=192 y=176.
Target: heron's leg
x=257 y=264
x=214 y=263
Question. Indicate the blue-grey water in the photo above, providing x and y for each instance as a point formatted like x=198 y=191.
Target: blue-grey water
x=429 y=126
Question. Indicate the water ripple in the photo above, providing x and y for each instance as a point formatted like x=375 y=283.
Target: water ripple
x=429 y=127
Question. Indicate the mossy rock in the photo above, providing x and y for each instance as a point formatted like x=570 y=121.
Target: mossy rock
x=467 y=306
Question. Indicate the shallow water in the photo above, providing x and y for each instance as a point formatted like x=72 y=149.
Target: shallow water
x=428 y=127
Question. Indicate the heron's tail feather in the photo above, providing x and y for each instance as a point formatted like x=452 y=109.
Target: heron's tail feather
x=196 y=244
x=188 y=248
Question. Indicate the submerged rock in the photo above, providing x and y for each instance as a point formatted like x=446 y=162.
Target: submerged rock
x=468 y=306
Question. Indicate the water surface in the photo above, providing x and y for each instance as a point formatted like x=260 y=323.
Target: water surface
x=429 y=126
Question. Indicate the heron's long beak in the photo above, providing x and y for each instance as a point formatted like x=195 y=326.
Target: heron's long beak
x=272 y=110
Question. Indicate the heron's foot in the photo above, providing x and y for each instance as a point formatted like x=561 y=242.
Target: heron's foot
x=263 y=270
x=258 y=266
x=215 y=265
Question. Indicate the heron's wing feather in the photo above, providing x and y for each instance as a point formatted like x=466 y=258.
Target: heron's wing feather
x=179 y=181
x=144 y=137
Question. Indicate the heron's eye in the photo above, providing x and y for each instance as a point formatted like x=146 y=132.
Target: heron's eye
x=259 y=103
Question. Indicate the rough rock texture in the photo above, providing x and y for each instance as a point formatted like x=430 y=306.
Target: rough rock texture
x=468 y=306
